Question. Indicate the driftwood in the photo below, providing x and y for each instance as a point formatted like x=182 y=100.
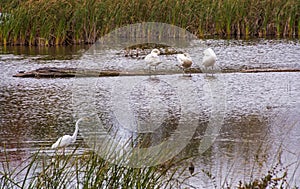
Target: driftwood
x=49 y=72
x=66 y=72
x=76 y=72
x=256 y=70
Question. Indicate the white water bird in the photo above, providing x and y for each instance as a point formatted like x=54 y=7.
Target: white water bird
x=185 y=61
x=209 y=58
x=153 y=59
x=66 y=140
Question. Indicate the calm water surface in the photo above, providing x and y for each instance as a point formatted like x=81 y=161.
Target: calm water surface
x=257 y=114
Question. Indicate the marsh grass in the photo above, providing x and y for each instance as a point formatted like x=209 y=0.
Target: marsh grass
x=265 y=163
x=79 y=21
x=86 y=170
x=262 y=173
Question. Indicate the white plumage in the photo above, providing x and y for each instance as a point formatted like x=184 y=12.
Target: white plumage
x=185 y=61
x=209 y=58
x=66 y=140
x=153 y=59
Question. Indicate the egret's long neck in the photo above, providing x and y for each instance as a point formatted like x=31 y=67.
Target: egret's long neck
x=154 y=54
x=76 y=129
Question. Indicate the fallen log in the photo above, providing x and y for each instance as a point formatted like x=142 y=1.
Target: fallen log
x=50 y=72
x=256 y=70
x=66 y=72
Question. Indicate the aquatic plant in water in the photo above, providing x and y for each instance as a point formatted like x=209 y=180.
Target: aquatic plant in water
x=85 y=170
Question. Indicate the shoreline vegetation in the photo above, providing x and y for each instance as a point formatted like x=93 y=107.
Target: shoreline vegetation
x=68 y=22
x=89 y=170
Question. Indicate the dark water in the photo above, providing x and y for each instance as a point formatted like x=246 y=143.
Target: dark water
x=251 y=120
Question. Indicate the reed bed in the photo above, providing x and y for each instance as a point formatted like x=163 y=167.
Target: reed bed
x=64 y=22
x=87 y=170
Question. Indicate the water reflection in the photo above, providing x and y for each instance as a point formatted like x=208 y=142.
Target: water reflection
x=260 y=128
x=157 y=110
x=43 y=53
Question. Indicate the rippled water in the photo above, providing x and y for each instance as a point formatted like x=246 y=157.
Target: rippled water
x=256 y=114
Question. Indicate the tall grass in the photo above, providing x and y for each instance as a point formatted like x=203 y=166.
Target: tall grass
x=86 y=170
x=62 y=22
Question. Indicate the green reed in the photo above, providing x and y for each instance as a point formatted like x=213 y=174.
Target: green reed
x=66 y=22
x=87 y=170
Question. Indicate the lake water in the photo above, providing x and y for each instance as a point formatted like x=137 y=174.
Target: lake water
x=236 y=126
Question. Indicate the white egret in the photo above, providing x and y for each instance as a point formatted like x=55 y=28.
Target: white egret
x=185 y=61
x=66 y=140
x=209 y=58
x=153 y=59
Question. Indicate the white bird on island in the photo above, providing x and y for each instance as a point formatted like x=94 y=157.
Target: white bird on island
x=185 y=61
x=66 y=140
x=153 y=59
x=209 y=58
